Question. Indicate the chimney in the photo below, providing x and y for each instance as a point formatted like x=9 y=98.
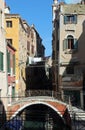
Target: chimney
x=7 y=8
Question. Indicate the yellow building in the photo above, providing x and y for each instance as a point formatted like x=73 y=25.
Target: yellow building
x=17 y=36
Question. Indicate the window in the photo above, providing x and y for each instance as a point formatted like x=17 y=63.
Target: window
x=32 y=49
x=13 y=93
x=0 y=18
x=70 y=69
x=69 y=19
x=10 y=41
x=1 y=61
x=14 y=64
x=70 y=43
x=8 y=62
x=28 y=45
x=9 y=24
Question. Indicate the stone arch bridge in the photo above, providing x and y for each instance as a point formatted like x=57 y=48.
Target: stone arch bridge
x=59 y=107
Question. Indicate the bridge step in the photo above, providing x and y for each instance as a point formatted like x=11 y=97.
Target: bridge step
x=78 y=113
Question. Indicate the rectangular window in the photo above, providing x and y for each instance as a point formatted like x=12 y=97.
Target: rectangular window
x=10 y=41
x=70 y=69
x=69 y=19
x=0 y=18
x=1 y=61
x=32 y=49
x=13 y=93
x=28 y=46
x=9 y=24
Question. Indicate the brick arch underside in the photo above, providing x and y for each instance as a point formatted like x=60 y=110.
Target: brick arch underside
x=60 y=109
x=57 y=107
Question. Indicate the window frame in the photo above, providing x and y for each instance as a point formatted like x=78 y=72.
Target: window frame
x=9 y=24
x=70 y=19
x=9 y=41
x=70 y=69
x=1 y=61
x=70 y=43
x=32 y=49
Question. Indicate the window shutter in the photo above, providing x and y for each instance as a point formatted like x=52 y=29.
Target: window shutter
x=75 y=19
x=75 y=44
x=8 y=62
x=1 y=61
x=0 y=19
x=13 y=92
x=65 y=19
x=64 y=44
x=13 y=64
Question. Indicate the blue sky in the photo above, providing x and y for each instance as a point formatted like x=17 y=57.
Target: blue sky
x=39 y=13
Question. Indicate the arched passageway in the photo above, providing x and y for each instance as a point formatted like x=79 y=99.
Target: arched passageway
x=41 y=117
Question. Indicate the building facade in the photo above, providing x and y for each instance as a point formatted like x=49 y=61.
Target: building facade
x=39 y=47
x=28 y=44
x=17 y=36
x=11 y=72
x=3 y=62
x=70 y=33
x=55 y=46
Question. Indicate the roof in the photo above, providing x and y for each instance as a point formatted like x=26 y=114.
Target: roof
x=73 y=9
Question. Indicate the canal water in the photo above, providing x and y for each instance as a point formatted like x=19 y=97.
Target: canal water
x=41 y=117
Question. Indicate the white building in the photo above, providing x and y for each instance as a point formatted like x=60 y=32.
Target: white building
x=3 y=68
x=69 y=50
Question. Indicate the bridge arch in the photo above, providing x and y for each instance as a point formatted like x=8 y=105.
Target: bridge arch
x=36 y=103
x=58 y=107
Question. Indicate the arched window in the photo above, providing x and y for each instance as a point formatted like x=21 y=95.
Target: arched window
x=70 y=43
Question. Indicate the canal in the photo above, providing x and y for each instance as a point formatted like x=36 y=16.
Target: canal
x=41 y=117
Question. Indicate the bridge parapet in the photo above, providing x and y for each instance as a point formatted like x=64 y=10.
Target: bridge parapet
x=47 y=93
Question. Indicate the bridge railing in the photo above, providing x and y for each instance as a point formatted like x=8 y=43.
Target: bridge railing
x=45 y=93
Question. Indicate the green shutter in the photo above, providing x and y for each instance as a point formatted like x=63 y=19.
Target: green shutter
x=13 y=64
x=75 y=19
x=8 y=61
x=66 y=19
x=64 y=44
x=75 y=44
x=1 y=61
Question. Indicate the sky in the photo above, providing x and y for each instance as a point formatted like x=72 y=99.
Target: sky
x=39 y=13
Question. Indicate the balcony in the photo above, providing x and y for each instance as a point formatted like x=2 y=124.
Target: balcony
x=72 y=80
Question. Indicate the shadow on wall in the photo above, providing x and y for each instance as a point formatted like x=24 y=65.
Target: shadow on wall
x=76 y=71
x=36 y=77
x=2 y=114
